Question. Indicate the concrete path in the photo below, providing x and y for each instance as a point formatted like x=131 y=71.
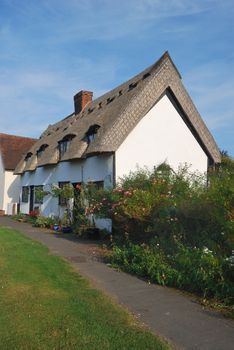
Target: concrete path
x=168 y=313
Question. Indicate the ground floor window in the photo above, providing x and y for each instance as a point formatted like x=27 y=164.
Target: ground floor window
x=25 y=193
x=38 y=194
x=99 y=185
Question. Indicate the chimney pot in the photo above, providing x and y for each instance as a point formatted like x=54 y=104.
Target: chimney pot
x=81 y=100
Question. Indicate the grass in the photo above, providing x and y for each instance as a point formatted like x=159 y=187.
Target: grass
x=45 y=304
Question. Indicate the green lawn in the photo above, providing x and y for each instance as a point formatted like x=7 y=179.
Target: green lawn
x=45 y=304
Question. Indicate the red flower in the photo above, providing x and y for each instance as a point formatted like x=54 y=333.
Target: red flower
x=33 y=213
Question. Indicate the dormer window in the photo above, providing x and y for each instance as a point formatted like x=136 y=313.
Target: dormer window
x=64 y=144
x=146 y=75
x=28 y=156
x=90 y=110
x=41 y=150
x=110 y=99
x=91 y=133
x=132 y=85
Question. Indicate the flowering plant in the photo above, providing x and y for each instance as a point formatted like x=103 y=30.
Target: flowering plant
x=34 y=213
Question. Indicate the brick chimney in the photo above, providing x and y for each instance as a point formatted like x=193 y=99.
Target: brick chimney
x=81 y=100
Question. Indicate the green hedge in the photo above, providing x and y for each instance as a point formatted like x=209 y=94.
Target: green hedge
x=193 y=269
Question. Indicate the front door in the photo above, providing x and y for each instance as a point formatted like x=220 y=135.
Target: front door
x=31 y=199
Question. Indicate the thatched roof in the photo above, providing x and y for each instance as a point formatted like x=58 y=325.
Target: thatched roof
x=117 y=113
x=13 y=148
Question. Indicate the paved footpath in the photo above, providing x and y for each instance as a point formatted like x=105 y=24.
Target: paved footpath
x=168 y=313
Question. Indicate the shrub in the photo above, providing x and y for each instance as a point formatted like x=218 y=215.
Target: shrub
x=43 y=221
x=180 y=214
x=19 y=217
x=192 y=269
x=171 y=205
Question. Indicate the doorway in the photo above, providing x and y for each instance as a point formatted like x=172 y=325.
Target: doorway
x=31 y=199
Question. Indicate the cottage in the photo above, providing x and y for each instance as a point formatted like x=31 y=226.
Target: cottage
x=12 y=148
x=147 y=120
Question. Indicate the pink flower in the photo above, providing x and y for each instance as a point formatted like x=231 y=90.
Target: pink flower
x=127 y=193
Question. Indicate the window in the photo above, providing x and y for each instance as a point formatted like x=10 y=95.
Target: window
x=95 y=185
x=110 y=99
x=146 y=75
x=25 y=193
x=41 y=150
x=99 y=185
x=90 y=110
x=28 y=156
x=38 y=194
x=62 y=200
x=132 y=85
x=64 y=144
x=91 y=133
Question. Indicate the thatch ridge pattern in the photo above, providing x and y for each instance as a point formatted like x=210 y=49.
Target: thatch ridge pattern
x=117 y=114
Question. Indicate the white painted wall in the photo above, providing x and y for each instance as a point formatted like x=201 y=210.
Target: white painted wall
x=161 y=136
x=11 y=191
x=2 y=183
x=97 y=168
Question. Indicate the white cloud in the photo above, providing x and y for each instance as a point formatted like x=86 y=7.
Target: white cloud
x=32 y=99
x=51 y=49
x=103 y=19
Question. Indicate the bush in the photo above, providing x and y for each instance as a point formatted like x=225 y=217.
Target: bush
x=19 y=217
x=171 y=206
x=191 y=222
x=192 y=269
x=42 y=221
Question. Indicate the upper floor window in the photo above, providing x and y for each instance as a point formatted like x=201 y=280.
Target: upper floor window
x=92 y=132
x=41 y=150
x=65 y=144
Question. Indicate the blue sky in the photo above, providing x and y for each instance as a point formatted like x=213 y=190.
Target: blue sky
x=51 y=49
